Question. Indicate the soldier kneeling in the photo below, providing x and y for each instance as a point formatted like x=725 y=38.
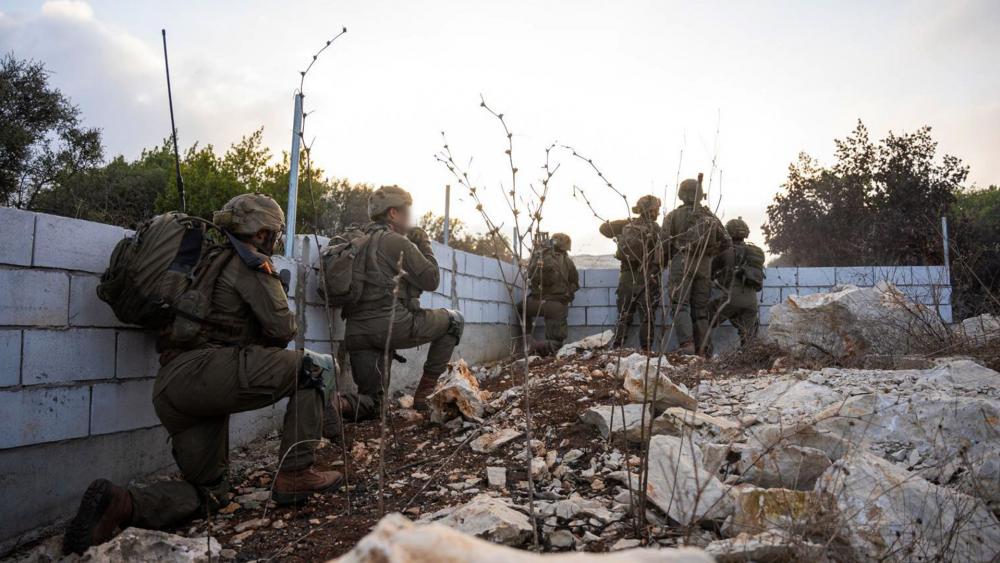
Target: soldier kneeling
x=238 y=362
x=393 y=235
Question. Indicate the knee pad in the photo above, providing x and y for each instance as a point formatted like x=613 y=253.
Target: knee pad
x=456 y=324
x=317 y=372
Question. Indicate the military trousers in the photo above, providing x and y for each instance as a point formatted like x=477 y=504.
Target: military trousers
x=689 y=287
x=365 y=340
x=637 y=294
x=739 y=307
x=555 y=314
x=194 y=396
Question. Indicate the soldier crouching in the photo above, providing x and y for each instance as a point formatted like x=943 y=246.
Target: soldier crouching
x=368 y=320
x=237 y=363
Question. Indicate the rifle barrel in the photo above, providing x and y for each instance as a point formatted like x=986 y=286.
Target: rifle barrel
x=173 y=127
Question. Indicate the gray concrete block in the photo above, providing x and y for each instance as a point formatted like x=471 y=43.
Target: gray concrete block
x=10 y=357
x=33 y=298
x=928 y=294
x=898 y=275
x=472 y=311
x=860 y=276
x=85 y=308
x=247 y=426
x=823 y=277
x=599 y=278
x=491 y=312
x=17 y=231
x=442 y=254
x=930 y=275
x=509 y=273
x=764 y=315
x=945 y=312
x=43 y=483
x=427 y=300
x=592 y=297
x=483 y=290
x=780 y=277
x=458 y=261
x=577 y=316
x=492 y=269
x=79 y=354
x=465 y=286
x=474 y=265
x=58 y=243
x=34 y=416
x=811 y=290
x=602 y=316
x=507 y=313
x=136 y=355
x=115 y=407
x=770 y=296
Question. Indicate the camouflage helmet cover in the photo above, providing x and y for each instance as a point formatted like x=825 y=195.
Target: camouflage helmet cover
x=246 y=214
x=737 y=228
x=387 y=197
x=646 y=204
x=690 y=191
x=562 y=242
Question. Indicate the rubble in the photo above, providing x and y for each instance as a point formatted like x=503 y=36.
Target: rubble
x=487 y=443
x=979 y=331
x=591 y=342
x=850 y=321
x=638 y=370
x=151 y=546
x=680 y=485
x=457 y=393
x=757 y=510
x=626 y=418
x=783 y=465
x=767 y=546
x=491 y=519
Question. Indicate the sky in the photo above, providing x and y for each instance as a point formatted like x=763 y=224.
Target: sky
x=649 y=90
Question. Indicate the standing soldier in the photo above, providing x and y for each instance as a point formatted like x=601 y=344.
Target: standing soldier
x=368 y=320
x=640 y=251
x=238 y=362
x=553 y=283
x=693 y=236
x=739 y=270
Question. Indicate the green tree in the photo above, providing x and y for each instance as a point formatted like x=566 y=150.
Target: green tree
x=975 y=220
x=42 y=141
x=880 y=203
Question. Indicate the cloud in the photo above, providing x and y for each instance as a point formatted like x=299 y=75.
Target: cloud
x=117 y=80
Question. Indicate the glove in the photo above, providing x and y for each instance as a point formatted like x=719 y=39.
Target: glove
x=419 y=237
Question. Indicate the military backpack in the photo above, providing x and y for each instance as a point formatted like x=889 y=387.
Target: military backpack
x=750 y=266
x=345 y=261
x=639 y=243
x=162 y=276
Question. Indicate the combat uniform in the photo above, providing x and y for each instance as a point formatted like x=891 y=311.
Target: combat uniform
x=368 y=321
x=553 y=284
x=639 y=281
x=237 y=362
x=693 y=236
x=738 y=302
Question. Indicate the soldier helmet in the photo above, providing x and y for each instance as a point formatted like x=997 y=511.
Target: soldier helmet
x=387 y=197
x=690 y=191
x=562 y=242
x=246 y=214
x=737 y=228
x=646 y=204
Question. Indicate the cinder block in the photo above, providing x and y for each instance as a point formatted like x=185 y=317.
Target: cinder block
x=577 y=316
x=821 y=277
x=928 y=294
x=787 y=292
x=764 y=315
x=73 y=244
x=53 y=356
x=507 y=313
x=592 y=297
x=301 y=241
x=317 y=324
x=770 y=296
x=458 y=262
x=860 y=276
x=599 y=278
x=482 y=289
x=602 y=316
x=444 y=286
x=33 y=298
x=898 y=275
x=474 y=265
x=811 y=290
x=781 y=277
x=10 y=357
x=442 y=254
x=427 y=300
x=509 y=272
x=34 y=416
x=491 y=313
x=17 y=231
x=930 y=275
x=471 y=310
x=319 y=346
x=85 y=308
x=945 y=312
x=115 y=407
x=136 y=355
x=464 y=287
x=492 y=269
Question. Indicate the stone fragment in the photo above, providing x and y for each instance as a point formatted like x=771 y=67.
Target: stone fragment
x=397 y=539
x=496 y=477
x=645 y=383
x=680 y=485
x=626 y=418
x=678 y=421
x=599 y=340
x=757 y=510
x=457 y=393
x=769 y=546
x=151 y=546
x=490 y=519
x=787 y=466
x=488 y=443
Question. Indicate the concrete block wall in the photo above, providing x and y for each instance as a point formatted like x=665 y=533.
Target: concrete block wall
x=593 y=309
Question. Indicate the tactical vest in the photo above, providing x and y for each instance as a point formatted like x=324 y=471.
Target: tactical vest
x=550 y=275
x=639 y=243
x=749 y=267
x=694 y=231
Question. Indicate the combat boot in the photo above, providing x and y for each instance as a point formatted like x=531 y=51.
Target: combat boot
x=104 y=509
x=292 y=486
x=426 y=386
